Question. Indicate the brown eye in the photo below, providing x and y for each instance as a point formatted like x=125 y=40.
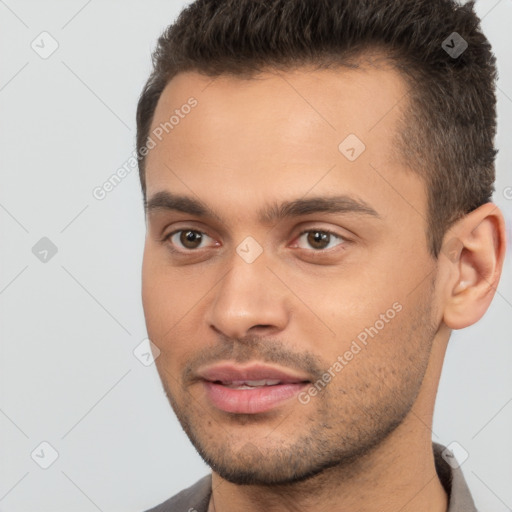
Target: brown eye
x=191 y=239
x=187 y=239
x=318 y=239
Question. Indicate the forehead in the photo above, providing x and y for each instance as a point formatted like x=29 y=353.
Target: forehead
x=338 y=100
x=280 y=132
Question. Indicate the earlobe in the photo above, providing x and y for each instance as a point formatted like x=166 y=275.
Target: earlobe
x=473 y=254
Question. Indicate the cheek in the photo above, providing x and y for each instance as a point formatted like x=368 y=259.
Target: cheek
x=170 y=302
x=377 y=331
x=164 y=290
x=341 y=307
x=385 y=357
x=159 y=297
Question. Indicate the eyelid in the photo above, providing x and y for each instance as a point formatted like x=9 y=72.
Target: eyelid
x=322 y=230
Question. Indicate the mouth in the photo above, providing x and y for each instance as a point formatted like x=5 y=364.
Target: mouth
x=249 y=389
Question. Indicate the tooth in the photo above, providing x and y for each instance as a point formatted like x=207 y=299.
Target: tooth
x=256 y=383
x=234 y=383
x=247 y=384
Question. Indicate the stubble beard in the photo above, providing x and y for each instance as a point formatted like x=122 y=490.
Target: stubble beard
x=335 y=437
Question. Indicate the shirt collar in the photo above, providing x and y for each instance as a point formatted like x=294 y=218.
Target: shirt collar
x=452 y=479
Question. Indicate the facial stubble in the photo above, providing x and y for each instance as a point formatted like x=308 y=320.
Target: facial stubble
x=344 y=423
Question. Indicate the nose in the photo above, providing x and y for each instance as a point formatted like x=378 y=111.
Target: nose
x=249 y=299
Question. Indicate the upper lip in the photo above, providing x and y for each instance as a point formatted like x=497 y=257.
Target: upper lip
x=229 y=372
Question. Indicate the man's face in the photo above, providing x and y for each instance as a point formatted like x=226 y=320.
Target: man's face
x=292 y=339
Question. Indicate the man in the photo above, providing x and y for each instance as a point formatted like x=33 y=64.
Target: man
x=317 y=177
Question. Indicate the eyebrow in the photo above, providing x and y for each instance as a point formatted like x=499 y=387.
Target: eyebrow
x=168 y=201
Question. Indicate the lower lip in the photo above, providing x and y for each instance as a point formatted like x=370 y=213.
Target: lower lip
x=250 y=401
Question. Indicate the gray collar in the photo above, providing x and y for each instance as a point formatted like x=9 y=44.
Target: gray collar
x=453 y=481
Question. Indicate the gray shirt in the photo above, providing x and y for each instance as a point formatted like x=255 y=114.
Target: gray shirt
x=197 y=497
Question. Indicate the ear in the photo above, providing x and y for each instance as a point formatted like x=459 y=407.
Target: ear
x=473 y=253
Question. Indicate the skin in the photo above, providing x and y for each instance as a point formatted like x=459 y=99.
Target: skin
x=363 y=443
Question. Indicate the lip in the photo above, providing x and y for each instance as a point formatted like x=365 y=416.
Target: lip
x=216 y=380
x=228 y=372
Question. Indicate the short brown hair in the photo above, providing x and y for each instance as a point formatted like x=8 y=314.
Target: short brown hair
x=449 y=125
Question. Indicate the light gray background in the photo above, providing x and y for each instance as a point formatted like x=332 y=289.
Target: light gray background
x=69 y=326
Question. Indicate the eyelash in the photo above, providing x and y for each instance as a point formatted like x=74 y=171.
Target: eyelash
x=318 y=251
